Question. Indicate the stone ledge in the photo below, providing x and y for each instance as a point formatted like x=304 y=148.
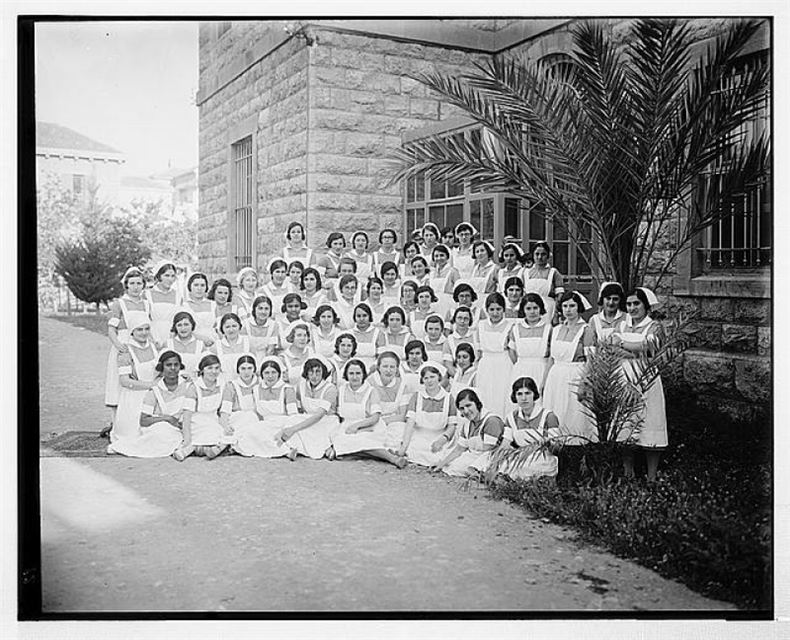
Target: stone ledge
x=753 y=284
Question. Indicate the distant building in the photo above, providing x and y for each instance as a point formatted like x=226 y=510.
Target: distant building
x=80 y=162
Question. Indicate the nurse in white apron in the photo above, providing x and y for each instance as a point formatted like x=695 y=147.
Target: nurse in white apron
x=611 y=314
x=247 y=281
x=411 y=365
x=164 y=300
x=262 y=330
x=567 y=352
x=278 y=287
x=436 y=347
x=346 y=301
x=443 y=279
x=237 y=411
x=311 y=291
x=514 y=294
x=465 y=371
x=529 y=341
x=368 y=336
x=396 y=334
x=359 y=254
x=484 y=273
x=543 y=279
x=328 y=265
x=183 y=341
x=510 y=257
x=462 y=256
x=327 y=331
x=221 y=294
x=295 y=247
x=159 y=423
x=529 y=427
x=479 y=434
x=200 y=308
x=231 y=346
x=640 y=336
x=317 y=397
x=203 y=432
x=386 y=252
x=410 y=251
x=393 y=398
x=426 y=306
x=131 y=308
x=373 y=298
x=361 y=428
x=461 y=332
x=296 y=353
x=420 y=270
x=430 y=239
x=430 y=420
x=495 y=365
x=390 y=277
x=137 y=374
x=465 y=296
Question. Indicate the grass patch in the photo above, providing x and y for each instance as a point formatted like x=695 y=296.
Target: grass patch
x=96 y=322
x=705 y=521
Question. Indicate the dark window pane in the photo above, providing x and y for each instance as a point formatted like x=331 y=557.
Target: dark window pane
x=436 y=215
x=437 y=189
x=455 y=189
x=420 y=187
x=487 y=219
x=582 y=267
x=455 y=214
x=537 y=223
x=419 y=217
x=411 y=183
x=560 y=231
x=474 y=213
x=512 y=217
x=560 y=257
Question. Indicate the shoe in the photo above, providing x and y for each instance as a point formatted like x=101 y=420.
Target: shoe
x=213 y=452
x=292 y=455
x=401 y=462
x=105 y=433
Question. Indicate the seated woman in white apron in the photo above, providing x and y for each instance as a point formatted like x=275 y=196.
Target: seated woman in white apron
x=443 y=278
x=641 y=336
x=317 y=397
x=462 y=257
x=465 y=296
x=393 y=398
x=514 y=289
x=200 y=308
x=396 y=334
x=528 y=428
x=387 y=252
x=183 y=341
x=328 y=265
x=247 y=281
x=479 y=433
x=313 y=295
x=164 y=301
x=221 y=294
x=237 y=411
x=136 y=375
x=359 y=254
x=275 y=408
x=130 y=308
x=611 y=314
x=529 y=341
x=297 y=352
x=462 y=332
x=567 y=357
x=411 y=366
x=262 y=330
x=495 y=365
x=295 y=245
x=543 y=279
x=345 y=349
x=202 y=431
x=368 y=337
x=426 y=306
x=410 y=250
x=278 y=286
x=430 y=419
x=361 y=428
x=325 y=334
x=294 y=311
x=510 y=258
x=373 y=298
x=230 y=346
x=160 y=414
x=464 y=374
x=436 y=346
x=390 y=277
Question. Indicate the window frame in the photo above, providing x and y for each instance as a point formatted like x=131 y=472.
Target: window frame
x=236 y=135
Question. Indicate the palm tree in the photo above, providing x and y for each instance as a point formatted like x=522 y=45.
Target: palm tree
x=615 y=140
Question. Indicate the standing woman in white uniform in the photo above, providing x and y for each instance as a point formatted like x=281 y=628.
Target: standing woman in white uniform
x=430 y=419
x=159 y=433
x=295 y=245
x=221 y=294
x=479 y=434
x=543 y=279
x=202 y=431
x=611 y=302
x=463 y=258
x=247 y=279
x=131 y=307
x=484 y=273
x=186 y=344
x=510 y=257
x=569 y=342
x=361 y=428
x=328 y=265
x=230 y=346
x=137 y=374
x=312 y=291
x=529 y=341
x=262 y=330
x=165 y=301
x=200 y=308
x=443 y=279
x=359 y=254
x=386 y=251
x=495 y=364
x=641 y=337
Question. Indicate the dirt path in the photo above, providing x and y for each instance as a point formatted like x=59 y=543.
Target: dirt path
x=246 y=534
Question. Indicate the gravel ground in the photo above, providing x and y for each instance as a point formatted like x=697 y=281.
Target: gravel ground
x=238 y=534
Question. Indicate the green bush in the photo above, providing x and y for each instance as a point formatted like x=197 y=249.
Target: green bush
x=706 y=520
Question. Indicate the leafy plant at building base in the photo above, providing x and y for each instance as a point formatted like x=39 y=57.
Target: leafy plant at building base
x=614 y=140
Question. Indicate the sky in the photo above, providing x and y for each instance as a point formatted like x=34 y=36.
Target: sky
x=130 y=85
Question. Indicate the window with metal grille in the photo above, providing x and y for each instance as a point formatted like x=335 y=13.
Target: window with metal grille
x=741 y=238
x=242 y=238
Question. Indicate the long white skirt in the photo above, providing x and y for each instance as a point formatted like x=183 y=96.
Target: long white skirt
x=560 y=397
x=365 y=440
x=314 y=441
x=112 y=384
x=534 y=368
x=158 y=440
x=419 y=450
x=653 y=432
x=493 y=374
x=127 y=419
x=206 y=430
x=475 y=459
x=255 y=437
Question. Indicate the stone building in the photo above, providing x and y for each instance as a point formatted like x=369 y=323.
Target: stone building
x=296 y=121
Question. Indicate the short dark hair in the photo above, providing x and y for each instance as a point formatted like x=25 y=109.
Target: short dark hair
x=534 y=298
x=441 y=249
x=489 y=249
x=196 y=276
x=181 y=315
x=166 y=355
x=468 y=394
x=495 y=298
x=206 y=361
x=385 y=319
x=297 y=325
x=425 y=289
x=430 y=367
x=245 y=359
x=389 y=266
x=346 y=279
x=612 y=289
x=296 y=263
x=540 y=243
x=524 y=383
x=357 y=362
x=260 y=300
x=421 y=258
x=276 y=264
x=360 y=233
x=388 y=354
x=408 y=244
x=273 y=362
x=467 y=348
x=343 y=336
x=321 y=309
x=315 y=363
x=388 y=230
x=416 y=344
x=291 y=297
x=220 y=282
x=318 y=283
x=373 y=280
x=347 y=260
x=514 y=281
x=461 y=287
x=132 y=273
x=293 y=225
x=465 y=309
x=640 y=296
x=366 y=308
x=335 y=235
x=572 y=295
x=161 y=270
x=432 y=319
x=225 y=318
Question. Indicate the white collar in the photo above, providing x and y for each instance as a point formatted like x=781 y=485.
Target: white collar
x=191 y=299
x=363 y=388
x=192 y=339
x=400 y=333
x=161 y=384
x=368 y=330
x=317 y=388
x=539 y=323
x=579 y=320
x=442 y=339
x=239 y=340
x=277 y=385
x=439 y=396
x=617 y=316
x=405 y=366
x=629 y=322
x=126 y=296
x=244 y=385
x=376 y=381
x=455 y=333
x=536 y=409
x=199 y=382
x=140 y=347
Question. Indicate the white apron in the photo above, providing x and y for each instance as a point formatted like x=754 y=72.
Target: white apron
x=130 y=318
x=463 y=262
x=262 y=340
x=428 y=426
x=474 y=456
x=542 y=288
x=257 y=439
x=289 y=255
x=204 y=320
x=502 y=278
x=162 y=313
x=366 y=350
x=206 y=429
x=364 y=265
x=130 y=401
x=464 y=380
x=229 y=357
x=495 y=367
x=350 y=410
x=190 y=359
x=325 y=345
x=539 y=463
x=531 y=359
x=313 y=441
